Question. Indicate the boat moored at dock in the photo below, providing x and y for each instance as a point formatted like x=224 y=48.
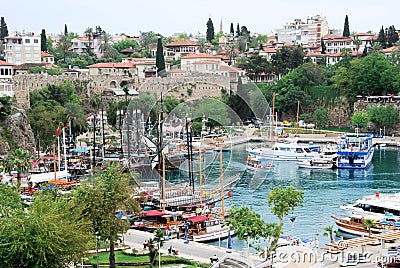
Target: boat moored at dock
x=355 y=151
x=376 y=205
x=288 y=150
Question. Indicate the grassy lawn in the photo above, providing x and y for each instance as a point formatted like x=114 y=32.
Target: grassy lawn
x=124 y=258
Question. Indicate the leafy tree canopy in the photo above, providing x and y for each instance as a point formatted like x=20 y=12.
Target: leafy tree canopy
x=49 y=233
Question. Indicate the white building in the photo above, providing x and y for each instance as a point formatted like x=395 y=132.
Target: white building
x=304 y=33
x=6 y=70
x=22 y=49
x=210 y=64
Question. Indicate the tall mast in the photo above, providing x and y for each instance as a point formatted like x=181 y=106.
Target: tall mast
x=201 y=179
x=221 y=182
x=273 y=114
x=297 y=118
x=163 y=182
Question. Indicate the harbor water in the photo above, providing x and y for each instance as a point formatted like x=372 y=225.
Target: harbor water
x=324 y=190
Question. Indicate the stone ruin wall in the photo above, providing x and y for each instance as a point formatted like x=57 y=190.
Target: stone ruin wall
x=184 y=89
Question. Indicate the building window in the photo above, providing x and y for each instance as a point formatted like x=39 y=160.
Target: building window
x=27 y=41
x=36 y=41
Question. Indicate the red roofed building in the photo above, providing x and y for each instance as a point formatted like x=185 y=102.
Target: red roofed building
x=178 y=48
x=47 y=57
x=210 y=64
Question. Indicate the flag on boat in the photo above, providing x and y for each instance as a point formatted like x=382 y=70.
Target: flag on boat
x=229 y=240
x=58 y=130
x=229 y=194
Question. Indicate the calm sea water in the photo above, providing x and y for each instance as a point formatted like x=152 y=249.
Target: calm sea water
x=324 y=190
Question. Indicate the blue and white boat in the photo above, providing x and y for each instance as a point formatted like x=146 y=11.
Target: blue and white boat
x=355 y=151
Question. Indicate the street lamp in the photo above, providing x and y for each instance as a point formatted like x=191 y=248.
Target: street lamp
x=248 y=234
x=292 y=219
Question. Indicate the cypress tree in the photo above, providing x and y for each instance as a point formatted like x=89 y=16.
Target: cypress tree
x=238 y=30
x=382 y=38
x=43 y=40
x=232 y=30
x=3 y=29
x=323 y=46
x=392 y=36
x=65 y=30
x=346 y=30
x=160 y=62
x=210 y=30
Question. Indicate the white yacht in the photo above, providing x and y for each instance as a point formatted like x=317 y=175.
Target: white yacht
x=377 y=204
x=288 y=150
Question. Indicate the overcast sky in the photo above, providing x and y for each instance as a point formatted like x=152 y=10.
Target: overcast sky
x=188 y=16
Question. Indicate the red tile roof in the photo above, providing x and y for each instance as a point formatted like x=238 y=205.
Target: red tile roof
x=112 y=65
x=177 y=71
x=4 y=63
x=45 y=54
x=230 y=68
x=181 y=43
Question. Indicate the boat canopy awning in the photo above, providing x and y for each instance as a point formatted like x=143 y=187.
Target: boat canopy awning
x=196 y=219
x=153 y=213
x=48 y=176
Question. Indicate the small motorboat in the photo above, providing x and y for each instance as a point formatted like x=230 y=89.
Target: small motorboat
x=317 y=163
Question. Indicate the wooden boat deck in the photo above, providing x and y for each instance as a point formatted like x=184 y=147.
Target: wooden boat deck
x=360 y=241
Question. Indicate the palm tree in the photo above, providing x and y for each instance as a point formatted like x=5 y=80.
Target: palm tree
x=376 y=47
x=19 y=160
x=89 y=34
x=329 y=231
x=106 y=48
x=369 y=223
x=357 y=43
x=153 y=250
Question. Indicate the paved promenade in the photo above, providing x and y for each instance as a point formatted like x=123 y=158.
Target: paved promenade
x=288 y=256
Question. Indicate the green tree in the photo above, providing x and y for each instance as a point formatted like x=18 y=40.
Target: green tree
x=232 y=31
x=210 y=30
x=247 y=223
x=214 y=110
x=387 y=115
x=238 y=33
x=357 y=43
x=323 y=47
x=3 y=29
x=282 y=201
x=346 y=29
x=160 y=61
x=369 y=223
x=105 y=47
x=382 y=38
x=287 y=59
x=392 y=36
x=76 y=118
x=360 y=118
x=48 y=233
x=126 y=43
x=155 y=245
x=20 y=161
x=109 y=193
x=89 y=34
x=169 y=103
x=328 y=231
x=44 y=118
x=43 y=40
x=321 y=118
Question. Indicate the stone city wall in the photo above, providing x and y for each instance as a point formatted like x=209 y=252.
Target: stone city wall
x=183 y=89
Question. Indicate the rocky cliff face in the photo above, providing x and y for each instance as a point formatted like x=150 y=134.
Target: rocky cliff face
x=16 y=132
